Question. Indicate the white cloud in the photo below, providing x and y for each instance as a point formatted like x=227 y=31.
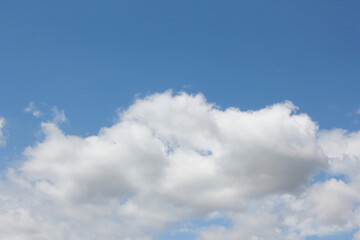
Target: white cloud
x=343 y=151
x=171 y=158
x=252 y=226
x=2 y=136
x=323 y=209
x=326 y=208
x=33 y=110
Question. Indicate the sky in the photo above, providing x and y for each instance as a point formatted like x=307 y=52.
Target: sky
x=169 y=120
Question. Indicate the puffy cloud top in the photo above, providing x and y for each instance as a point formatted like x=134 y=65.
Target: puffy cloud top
x=189 y=150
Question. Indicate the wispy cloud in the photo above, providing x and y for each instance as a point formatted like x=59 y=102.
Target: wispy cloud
x=2 y=136
x=31 y=108
x=58 y=115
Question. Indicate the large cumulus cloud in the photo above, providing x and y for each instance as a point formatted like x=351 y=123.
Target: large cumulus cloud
x=175 y=157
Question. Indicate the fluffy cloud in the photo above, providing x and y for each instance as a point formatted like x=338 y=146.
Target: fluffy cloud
x=343 y=151
x=326 y=208
x=175 y=157
x=253 y=226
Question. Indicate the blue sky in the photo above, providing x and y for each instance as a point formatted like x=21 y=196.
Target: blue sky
x=92 y=59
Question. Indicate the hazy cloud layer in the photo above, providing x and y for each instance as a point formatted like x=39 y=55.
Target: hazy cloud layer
x=171 y=158
x=2 y=136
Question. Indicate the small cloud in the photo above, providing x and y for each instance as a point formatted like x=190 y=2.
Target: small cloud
x=59 y=115
x=2 y=136
x=33 y=110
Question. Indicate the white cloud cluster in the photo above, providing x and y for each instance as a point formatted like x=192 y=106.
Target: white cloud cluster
x=176 y=157
x=343 y=151
x=2 y=136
